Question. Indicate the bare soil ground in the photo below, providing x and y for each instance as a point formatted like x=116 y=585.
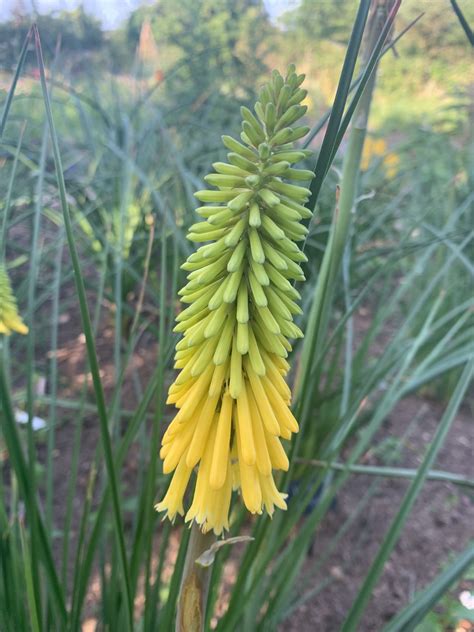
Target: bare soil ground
x=439 y=526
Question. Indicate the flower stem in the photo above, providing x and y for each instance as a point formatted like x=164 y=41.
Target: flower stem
x=194 y=588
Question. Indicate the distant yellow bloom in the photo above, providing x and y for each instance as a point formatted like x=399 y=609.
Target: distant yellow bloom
x=231 y=393
x=10 y=320
x=377 y=148
x=308 y=101
x=391 y=163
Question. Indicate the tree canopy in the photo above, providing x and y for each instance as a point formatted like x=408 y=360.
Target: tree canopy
x=76 y=30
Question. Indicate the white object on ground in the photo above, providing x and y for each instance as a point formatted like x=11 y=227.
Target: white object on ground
x=21 y=417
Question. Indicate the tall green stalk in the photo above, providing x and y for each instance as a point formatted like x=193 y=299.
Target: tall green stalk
x=194 y=589
x=33 y=273
x=90 y=344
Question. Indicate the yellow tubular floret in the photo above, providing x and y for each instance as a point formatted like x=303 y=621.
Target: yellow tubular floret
x=220 y=457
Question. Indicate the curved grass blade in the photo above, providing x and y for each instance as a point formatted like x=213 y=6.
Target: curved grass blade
x=392 y=457
x=323 y=296
x=16 y=76
x=3 y=229
x=143 y=541
x=165 y=622
x=34 y=262
x=30 y=589
x=372 y=62
x=462 y=20
x=90 y=344
x=342 y=92
x=391 y=472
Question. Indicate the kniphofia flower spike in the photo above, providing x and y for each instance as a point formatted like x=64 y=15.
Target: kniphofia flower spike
x=231 y=393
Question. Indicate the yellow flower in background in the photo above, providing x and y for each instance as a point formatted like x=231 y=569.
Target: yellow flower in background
x=10 y=320
x=373 y=148
x=308 y=101
x=377 y=148
x=231 y=392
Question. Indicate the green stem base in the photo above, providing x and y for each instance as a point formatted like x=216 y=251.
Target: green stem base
x=194 y=588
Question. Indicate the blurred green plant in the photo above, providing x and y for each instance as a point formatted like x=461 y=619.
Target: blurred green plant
x=220 y=44
x=77 y=31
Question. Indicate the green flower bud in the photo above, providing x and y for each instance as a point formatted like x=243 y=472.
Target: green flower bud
x=254 y=216
x=242 y=162
x=256 y=246
x=260 y=111
x=270 y=116
x=283 y=98
x=297 y=97
x=271 y=229
x=242 y=338
x=277 y=169
x=215 y=196
x=256 y=289
x=236 y=233
x=269 y=197
x=238 y=148
x=288 y=156
x=253 y=135
x=293 y=113
x=283 y=136
x=242 y=304
x=299 y=174
x=229 y=170
x=238 y=203
x=264 y=151
x=232 y=286
x=220 y=180
x=237 y=256
x=290 y=190
x=251 y=120
x=253 y=181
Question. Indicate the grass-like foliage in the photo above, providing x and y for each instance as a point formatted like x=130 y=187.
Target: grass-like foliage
x=98 y=226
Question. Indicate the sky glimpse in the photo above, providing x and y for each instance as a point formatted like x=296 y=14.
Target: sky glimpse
x=110 y=12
